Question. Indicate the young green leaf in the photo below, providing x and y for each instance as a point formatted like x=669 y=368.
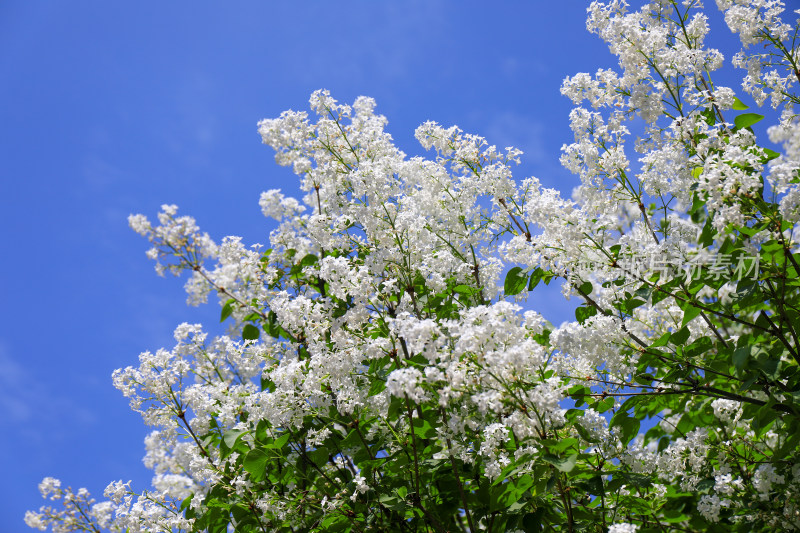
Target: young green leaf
x=227 y=309
x=515 y=283
x=745 y=120
x=250 y=332
x=255 y=463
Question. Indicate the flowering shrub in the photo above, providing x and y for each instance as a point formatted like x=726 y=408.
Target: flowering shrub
x=381 y=375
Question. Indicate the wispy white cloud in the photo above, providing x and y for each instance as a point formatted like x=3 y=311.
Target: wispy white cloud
x=541 y=154
x=192 y=124
x=511 y=129
x=28 y=402
x=15 y=398
x=384 y=42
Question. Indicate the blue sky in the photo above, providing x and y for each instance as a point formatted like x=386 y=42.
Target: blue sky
x=112 y=108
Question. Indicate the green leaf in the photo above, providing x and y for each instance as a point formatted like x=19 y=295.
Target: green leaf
x=320 y=456
x=279 y=443
x=579 y=394
x=255 y=463
x=604 y=405
x=658 y=295
x=261 y=431
x=747 y=294
x=185 y=503
x=745 y=120
x=231 y=436
x=532 y=522
x=536 y=277
x=630 y=304
x=740 y=357
x=584 y=312
x=250 y=332
x=585 y=287
x=689 y=313
x=707 y=234
x=376 y=387
x=771 y=154
x=738 y=105
x=662 y=340
x=628 y=426
x=423 y=428
x=563 y=445
x=243 y=517
x=465 y=289
x=509 y=493
x=308 y=260
x=335 y=522
x=701 y=347
x=789 y=445
x=564 y=464
x=697 y=212
x=515 y=282
x=643 y=292
x=768 y=365
x=764 y=417
x=227 y=309
x=680 y=336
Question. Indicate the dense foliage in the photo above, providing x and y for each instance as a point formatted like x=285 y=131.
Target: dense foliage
x=382 y=375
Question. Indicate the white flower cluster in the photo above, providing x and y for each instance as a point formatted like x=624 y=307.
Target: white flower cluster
x=382 y=293
x=756 y=22
x=622 y=528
